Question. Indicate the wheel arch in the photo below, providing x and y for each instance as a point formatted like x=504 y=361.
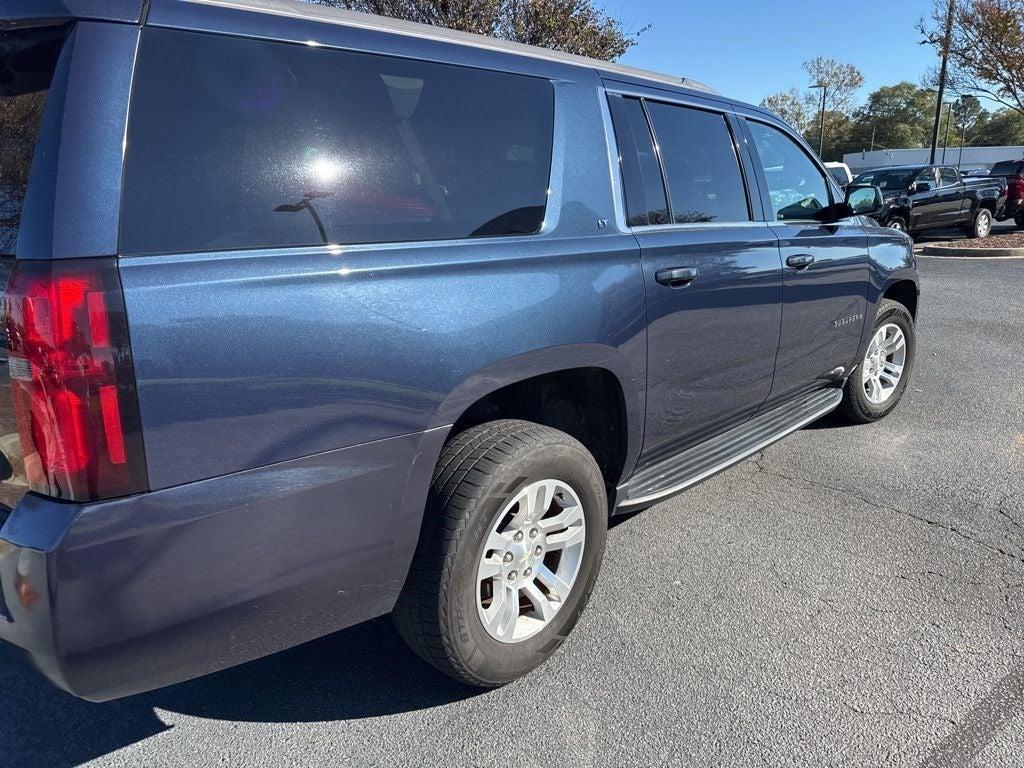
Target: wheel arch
x=589 y=391
x=904 y=292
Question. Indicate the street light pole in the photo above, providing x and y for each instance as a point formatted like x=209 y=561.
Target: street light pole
x=821 y=123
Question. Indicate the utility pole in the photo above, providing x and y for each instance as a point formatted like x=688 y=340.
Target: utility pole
x=945 y=140
x=821 y=123
x=873 y=137
x=942 y=77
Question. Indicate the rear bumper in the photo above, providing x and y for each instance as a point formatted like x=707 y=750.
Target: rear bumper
x=119 y=597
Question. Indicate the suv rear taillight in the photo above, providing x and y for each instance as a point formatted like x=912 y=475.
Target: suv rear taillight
x=72 y=379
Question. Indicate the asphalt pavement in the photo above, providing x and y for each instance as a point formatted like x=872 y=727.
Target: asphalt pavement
x=853 y=596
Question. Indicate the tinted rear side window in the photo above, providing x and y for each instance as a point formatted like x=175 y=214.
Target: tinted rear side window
x=641 y=173
x=236 y=143
x=704 y=179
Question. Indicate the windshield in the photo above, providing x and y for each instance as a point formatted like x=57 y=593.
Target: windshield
x=887 y=180
x=1007 y=168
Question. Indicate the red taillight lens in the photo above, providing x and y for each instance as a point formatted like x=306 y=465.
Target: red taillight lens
x=72 y=379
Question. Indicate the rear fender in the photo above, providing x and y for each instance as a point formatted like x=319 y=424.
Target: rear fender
x=512 y=370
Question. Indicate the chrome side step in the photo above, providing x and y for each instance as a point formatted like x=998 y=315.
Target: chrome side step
x=689 y=467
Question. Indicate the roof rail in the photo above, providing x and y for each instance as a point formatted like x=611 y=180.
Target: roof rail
x=329 y=15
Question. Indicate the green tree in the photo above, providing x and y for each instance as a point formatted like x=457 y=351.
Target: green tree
x=1001 y=129
x=898 y=115
x=573 y=26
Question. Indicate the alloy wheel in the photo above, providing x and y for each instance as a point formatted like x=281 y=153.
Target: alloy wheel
x=984 y=225
x=530 y=561
x=882 y=367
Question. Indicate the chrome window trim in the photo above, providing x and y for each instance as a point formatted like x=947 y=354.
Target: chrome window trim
x=683 y=101
x=704 y=225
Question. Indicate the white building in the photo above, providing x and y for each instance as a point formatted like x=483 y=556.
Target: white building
x=973 y=157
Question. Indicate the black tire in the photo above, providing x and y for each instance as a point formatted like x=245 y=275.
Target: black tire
x=982 y=224
x=478 y=472
x=855 y=405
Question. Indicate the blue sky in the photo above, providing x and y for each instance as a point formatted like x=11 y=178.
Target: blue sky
x=747 y=49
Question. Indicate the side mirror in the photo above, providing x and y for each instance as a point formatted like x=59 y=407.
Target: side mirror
x=922 y=186
x=863 y=199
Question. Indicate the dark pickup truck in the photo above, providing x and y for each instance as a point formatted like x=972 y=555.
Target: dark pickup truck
x=920 y=197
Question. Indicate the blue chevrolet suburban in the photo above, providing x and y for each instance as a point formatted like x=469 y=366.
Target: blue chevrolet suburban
x=313 y=316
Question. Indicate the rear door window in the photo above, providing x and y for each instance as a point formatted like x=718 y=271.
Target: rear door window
x=703 y=172
x=237 y=143
x=948 y=177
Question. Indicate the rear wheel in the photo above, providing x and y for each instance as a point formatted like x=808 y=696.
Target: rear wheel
x=982 y=225
x=512 y=543
x=877 y=384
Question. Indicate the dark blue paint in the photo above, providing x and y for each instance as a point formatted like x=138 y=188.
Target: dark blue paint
x=294 y=402
x=711 y=344
x=72 y=208
x=152 y=587
x=824 y=309
x=246 y=359
x=36 y=11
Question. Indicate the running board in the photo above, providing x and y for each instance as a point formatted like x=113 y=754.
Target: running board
x=689 y=467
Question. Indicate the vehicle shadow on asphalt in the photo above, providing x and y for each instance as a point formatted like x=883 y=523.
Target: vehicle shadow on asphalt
x=363 y=671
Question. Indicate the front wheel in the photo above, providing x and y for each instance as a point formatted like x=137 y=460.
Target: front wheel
x=899 y=224
x=877 y=384
x=511 y=547
x=982 y=225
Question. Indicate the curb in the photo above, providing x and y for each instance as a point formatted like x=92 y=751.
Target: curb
x=966 y=253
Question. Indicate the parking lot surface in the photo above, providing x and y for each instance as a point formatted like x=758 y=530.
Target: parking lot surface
x=853 y=595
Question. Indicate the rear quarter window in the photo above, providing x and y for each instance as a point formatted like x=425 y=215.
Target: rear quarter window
x=236 y=143
x=20 y=118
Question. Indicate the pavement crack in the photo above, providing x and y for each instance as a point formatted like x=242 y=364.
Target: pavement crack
x=882 y=506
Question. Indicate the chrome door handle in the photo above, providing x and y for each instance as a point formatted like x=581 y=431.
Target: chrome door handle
x=677 y=276
x=800 y=260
